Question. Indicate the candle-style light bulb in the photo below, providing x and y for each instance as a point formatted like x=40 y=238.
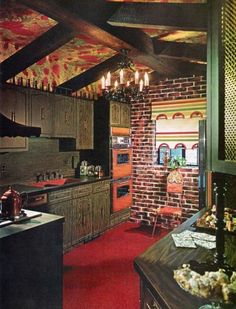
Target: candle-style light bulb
x=116 y=84
x=121 y=76
x=141 y=85
x=128 y=83
x=109 y=79
x=136 y=78
x=146 y=80
x=103 y=81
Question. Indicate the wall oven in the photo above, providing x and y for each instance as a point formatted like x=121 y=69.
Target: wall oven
x=122 y=194
x=121 y=163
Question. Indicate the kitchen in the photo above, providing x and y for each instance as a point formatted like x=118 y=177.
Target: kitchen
x=70 y=130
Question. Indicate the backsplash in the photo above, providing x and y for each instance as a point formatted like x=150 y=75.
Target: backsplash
x=43 y=155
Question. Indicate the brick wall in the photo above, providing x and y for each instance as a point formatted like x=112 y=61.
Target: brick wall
x=149 y=179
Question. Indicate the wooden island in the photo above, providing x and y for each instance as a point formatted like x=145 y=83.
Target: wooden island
x=159 y=290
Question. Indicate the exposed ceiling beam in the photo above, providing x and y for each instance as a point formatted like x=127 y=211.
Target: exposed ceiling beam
x=161 y=15
x=62 y=14
x=36 y=50
x=93 y=74
x=115 y=38
x=178 y=50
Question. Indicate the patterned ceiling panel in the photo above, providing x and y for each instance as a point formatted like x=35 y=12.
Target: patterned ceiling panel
x=68 y=61
x=18 y=27
x=195 y=37
x=161 y=1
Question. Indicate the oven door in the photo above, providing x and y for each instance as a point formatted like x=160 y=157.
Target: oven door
x=122 y=194
x=121 y=162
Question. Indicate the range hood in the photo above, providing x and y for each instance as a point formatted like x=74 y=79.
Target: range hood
x=12 y=129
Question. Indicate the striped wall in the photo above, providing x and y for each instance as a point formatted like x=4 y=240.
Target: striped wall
x=187 y=107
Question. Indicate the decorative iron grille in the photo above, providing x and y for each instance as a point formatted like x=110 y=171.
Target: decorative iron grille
x=228 y=78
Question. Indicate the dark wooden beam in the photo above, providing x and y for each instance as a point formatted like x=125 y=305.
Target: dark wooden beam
x=93 y=74
x=70 y=19
x=184 y=51
x=36 y=50
x=166 y=16
x=115 y=38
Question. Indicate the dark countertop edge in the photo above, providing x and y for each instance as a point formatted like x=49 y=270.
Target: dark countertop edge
x=23 y=226
x=31 y=190
x=143 y=269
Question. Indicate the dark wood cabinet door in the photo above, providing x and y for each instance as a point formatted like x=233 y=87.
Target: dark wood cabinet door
x=101 y=211
x=64 y=116
x=221 y=65
x=115 y=111
x=14 y=106
x=85 y=118
x=42 y=112
x=148 y=301
x=64 y=209
x=119 y=114
x=125 y=115
x=82 y=219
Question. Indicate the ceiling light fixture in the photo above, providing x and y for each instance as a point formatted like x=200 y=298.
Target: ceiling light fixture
x=130 y=85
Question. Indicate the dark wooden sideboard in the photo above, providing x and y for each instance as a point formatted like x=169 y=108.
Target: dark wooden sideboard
x=155 y=267
x=31 y=264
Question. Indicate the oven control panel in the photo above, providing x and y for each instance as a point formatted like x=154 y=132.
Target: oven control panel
x=120 y=141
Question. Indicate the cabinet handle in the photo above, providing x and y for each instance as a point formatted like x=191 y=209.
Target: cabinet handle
x=66 y=117
x=154 y=306
x=13 y=116
x=42 y=113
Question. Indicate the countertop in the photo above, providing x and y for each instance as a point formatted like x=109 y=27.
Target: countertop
x=33 y=190
x=155 y=266
x=38 y=220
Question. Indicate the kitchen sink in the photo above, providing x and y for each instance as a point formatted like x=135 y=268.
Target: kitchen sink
x=54 y=182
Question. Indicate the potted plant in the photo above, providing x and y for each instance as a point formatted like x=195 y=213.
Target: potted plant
x=175 y=162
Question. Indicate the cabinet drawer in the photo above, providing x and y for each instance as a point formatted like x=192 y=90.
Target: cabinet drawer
x=101 y=186
x=149 y=302
x=81 y=191
x=59 y=195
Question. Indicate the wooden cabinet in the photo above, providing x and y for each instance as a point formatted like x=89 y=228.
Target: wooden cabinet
x=85 y=118
x=119 y=114
x=148 y=301
x=125 y=115
x=42 y=111
x=64 y=209
x=14 y=106
x=60 y=204
x=114 y=113
x=101 y=206
x=86 y=209
x=82 y=219
x=64 y=116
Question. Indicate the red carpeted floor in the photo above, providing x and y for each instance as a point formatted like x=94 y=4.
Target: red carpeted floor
x=100 y=274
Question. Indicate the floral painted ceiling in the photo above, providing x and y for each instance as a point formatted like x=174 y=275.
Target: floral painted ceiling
x=20 y=25
x=70 y=60
x=161 y=1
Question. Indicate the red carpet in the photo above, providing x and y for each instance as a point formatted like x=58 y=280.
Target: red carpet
x=100 y=274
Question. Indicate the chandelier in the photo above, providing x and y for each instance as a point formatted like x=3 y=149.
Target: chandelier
x=130 y=86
